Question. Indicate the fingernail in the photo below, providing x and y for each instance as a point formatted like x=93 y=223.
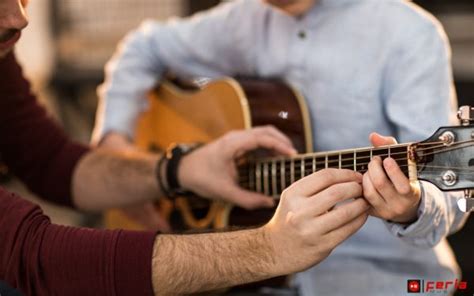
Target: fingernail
x=389 y=162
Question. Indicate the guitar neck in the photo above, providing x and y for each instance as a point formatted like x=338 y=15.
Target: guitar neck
x=271 y=176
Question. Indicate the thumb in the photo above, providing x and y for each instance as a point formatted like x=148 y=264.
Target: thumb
x=378 y=140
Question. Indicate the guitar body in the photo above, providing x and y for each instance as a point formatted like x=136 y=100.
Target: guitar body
x=189 y=115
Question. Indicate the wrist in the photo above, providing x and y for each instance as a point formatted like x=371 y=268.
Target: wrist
x=169 y=171
x=412 y=203
x=188 y=167
x=411 y=215
x=269 y=241
x=185 y=172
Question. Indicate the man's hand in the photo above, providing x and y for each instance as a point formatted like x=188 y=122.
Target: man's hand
x=211 y=172
x=306 y=227
x=388 y=190
x=309 y=223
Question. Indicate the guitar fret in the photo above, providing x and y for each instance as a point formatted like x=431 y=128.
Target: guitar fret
x=258 y=177
x=355 y=160
x=265 y=178
x=251 y=176
x=302 y=168
x=274 y=178
x=282 y=174
x=363 y=159
x=292 y=171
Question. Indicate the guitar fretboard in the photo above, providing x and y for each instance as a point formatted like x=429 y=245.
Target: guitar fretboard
x=272 y=175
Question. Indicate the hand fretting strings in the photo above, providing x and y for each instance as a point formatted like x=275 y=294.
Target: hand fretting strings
x=272 y=175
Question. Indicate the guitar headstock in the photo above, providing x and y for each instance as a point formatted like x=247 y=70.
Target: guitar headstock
x=447 y=158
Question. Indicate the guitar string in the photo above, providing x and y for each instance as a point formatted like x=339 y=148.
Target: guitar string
x=245 y=181
x=310 y=171
x=467 y=170
x=361 y=150
x=366 y=156
x=247 y=184
x=351 y=166
x=444 y=145
x=245 y=171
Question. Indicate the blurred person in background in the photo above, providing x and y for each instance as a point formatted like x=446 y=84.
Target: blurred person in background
x=362 y=66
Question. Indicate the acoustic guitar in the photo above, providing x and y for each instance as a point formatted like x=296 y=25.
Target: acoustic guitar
x=202 y=113
x=181 y=113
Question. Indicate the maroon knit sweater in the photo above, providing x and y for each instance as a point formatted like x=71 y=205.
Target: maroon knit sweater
x=40 y=258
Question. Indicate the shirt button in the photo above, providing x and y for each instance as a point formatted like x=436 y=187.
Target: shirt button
x=302 y=34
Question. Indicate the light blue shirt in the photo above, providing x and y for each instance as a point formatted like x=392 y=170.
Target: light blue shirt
x=363 y=66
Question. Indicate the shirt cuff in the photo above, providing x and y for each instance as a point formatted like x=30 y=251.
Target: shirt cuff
x=422 y=231
x=133 y=269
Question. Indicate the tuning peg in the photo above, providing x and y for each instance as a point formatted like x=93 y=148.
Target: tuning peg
x=447 y=138
x=466 y=115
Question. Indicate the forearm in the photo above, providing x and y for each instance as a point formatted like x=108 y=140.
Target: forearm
x=185 y=264
x=105 y=179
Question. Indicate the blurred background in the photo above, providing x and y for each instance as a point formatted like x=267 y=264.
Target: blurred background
x=69 y=41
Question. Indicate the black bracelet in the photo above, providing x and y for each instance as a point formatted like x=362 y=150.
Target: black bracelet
x=159 y=169
x=174 y=158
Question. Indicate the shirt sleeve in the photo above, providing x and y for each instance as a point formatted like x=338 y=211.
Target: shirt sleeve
x=39 y=258
x=419 y=98
x=191 y=47
x=438 y=216
x=32 y=145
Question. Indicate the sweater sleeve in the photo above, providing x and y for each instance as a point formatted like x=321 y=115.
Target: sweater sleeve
x=39 y=258
x=32 y=145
